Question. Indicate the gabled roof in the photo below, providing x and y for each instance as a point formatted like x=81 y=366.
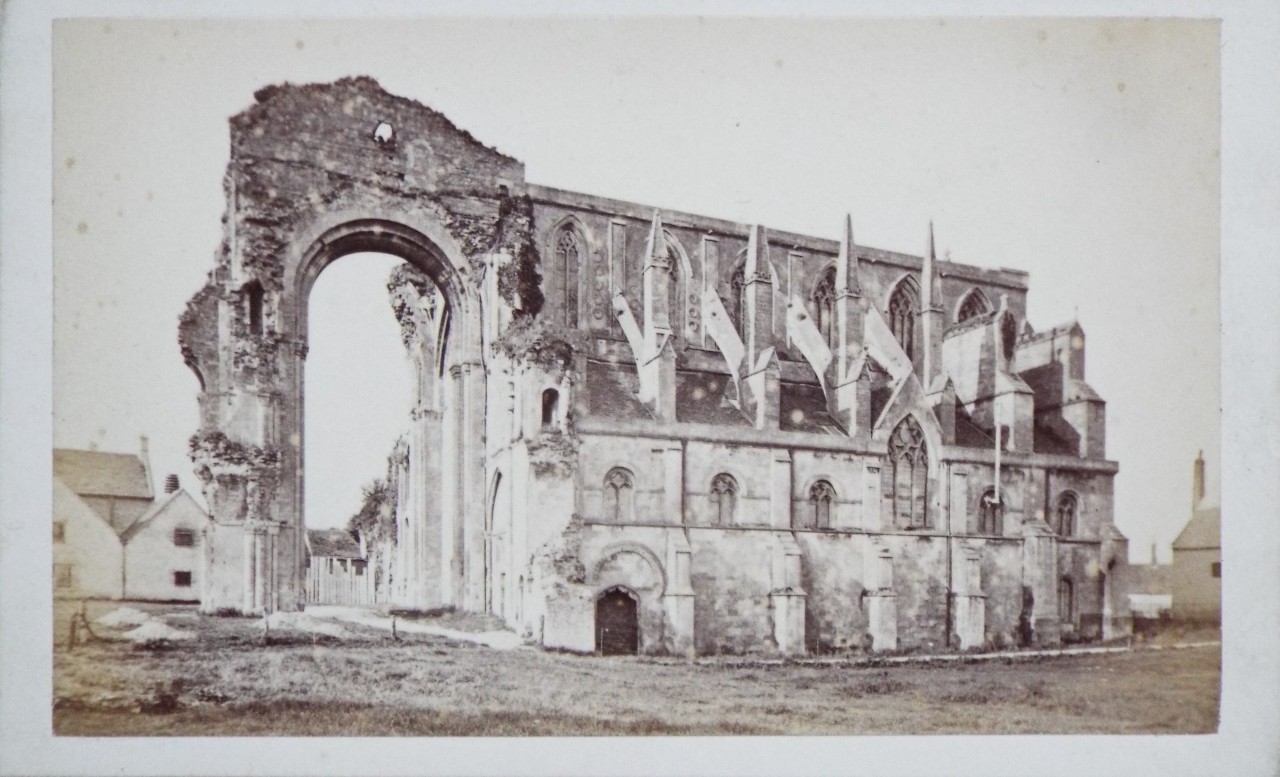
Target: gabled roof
x=102 y=474
x=1203 y=531
x=157 y=507
x=333 y=543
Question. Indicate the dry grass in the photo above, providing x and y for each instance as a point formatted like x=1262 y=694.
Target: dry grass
x=228 y=682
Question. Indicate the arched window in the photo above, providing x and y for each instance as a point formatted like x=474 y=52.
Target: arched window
x=567 y=252
x=1066 y=601
x=822 y=498
x=254 y=297
x=824 y=307
x=675 y=295
x=908 y=472
x=550 y=409
x=724 y=496
x=990 y=514
x=974 y=305
x=738 y=303
x=904 y=308
x=619 y=496
x=1064 y=522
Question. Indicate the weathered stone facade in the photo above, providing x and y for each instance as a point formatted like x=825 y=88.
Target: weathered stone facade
x=648 y=429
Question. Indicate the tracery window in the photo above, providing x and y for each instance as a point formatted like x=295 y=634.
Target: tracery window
x=822 y=497
x=738 y=288
x=904 y=308
x=619 y=496
x=1065 y=515
x=724 y=497
x=908 y=474
x=824 y=306
x=990 y=514
x=568 y=250
x=974 y=305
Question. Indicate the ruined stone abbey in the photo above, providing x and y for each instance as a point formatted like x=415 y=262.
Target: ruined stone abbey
x=639 y=430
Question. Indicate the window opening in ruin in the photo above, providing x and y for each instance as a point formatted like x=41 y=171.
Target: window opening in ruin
x=182 y=579
x=724 y=497
x=254 y=298
x=619 y=496
x=909 y=474
x=824 y=307
x=567 y=253
x=384 y=133
x=990 y=513
x=550 y=409
x=184 y=538
x=1065 y=516
x=1215 y=569
x=1066 y=601
x=974 y=305
x=371 y=337
x=822 y=496
x=904 y=308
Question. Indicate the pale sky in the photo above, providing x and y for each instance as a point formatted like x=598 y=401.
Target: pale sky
x=1084 y=152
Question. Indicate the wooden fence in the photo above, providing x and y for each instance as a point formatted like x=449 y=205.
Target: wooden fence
x=339 y=586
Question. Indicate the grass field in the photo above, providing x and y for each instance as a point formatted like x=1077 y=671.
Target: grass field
x=228 y=682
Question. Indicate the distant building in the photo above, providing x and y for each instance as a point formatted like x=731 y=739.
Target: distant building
x=113 y=539
x=336 y=569
x=86 y=552
x=1197 y=558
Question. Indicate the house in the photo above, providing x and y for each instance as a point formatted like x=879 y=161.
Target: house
x=161 y=549
x=87 y=553
x=113 y=538
x=1197 y=558
x=336 y=567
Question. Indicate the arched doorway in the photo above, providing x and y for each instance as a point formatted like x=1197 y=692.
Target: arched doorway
x=617 y=623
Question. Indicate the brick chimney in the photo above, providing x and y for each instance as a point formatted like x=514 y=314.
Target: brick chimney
x=170 y=484
x=1197 y=482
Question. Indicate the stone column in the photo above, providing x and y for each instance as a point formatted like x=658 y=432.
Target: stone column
x=678 y=598
x=882 y=602
x=472 y=514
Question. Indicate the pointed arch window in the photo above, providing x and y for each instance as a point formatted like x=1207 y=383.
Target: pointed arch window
x=908 y=473
x=990 y=514
x=974 y=305
x=568 y=250
x=822 y=499
x=550 y=409
x=904 y=309
x=824 y=307
x=675 y=290
x=724 y=498
x=619 y=496
x=1064 y=517
x=738 y=301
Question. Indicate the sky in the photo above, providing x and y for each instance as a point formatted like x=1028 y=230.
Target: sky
x=1082 y=151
